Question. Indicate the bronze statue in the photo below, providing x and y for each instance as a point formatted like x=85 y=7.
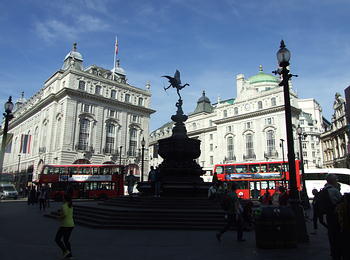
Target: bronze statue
x=175 y=82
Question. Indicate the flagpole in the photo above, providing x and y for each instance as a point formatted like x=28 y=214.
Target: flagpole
x=115 y=55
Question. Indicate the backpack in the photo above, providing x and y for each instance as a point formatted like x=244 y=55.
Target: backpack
x=323 y=202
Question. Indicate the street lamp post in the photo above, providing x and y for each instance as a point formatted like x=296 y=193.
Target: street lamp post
x=120 y=158
x=283 y=57
x=143 y=143
x=304 y=196
x=18 y=174
x=283 y=164
x=8 y=116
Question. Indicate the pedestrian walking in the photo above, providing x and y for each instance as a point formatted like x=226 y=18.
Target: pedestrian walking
x=31 y=195
x=266 y=199
x=66 y=227
x=234 y=214
x=316 y=217
x=42 y=198
x=158 y=182
x=152 y=179
x=283 y=197
x=329 y=197
x=130 y=182
x=275 y=200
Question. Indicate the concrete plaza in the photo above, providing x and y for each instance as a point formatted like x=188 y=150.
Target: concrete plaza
x=26 y=234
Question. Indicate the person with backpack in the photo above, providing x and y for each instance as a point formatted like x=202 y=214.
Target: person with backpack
x=343 y=213
x=232 y=206
x=327 y=201
x=130 y=182
x=315 y=212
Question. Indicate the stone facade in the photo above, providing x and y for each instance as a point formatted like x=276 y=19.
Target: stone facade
x=80 y=115
x=335 y=139
x=250 y=127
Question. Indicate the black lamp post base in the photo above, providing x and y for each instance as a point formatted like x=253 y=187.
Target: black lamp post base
x=302 y=235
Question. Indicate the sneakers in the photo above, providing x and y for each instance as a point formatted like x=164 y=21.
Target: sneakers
x=218 y=237
x=66 y=254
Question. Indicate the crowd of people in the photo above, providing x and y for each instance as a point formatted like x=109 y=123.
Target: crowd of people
x=39 y=195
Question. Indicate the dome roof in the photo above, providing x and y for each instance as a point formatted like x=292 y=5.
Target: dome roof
x=203 y=98
x=262 y=77
x=74 y=54
x=119 y=70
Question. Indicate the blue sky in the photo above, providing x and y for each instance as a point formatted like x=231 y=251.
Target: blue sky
x=210 y=42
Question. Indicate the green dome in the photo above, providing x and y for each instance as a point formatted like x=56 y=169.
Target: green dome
x=262 y=77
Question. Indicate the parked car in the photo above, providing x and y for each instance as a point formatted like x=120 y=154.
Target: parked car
x=8 y=191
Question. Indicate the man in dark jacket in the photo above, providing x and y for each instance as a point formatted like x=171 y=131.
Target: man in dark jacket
x=130 y=182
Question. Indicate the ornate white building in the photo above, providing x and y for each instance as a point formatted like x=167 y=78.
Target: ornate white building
x=335 y=139
x=80 y=115
x=249 y=127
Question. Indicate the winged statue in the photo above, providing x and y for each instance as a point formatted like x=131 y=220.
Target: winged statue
x=175 y=82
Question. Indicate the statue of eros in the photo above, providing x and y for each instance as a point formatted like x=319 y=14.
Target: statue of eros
x=175 y=82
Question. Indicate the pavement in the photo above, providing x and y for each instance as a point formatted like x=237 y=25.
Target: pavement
x=26 y=234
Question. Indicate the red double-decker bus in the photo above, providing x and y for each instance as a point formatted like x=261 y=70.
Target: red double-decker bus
x=83 y=180
x=253 y=179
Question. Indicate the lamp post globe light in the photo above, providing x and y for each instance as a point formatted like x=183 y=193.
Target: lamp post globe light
x=283 y=58
x=8 y=116
x=143 y=143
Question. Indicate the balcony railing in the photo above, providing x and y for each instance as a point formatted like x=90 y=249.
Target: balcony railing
x=84 y=147
x=110 y=150
x=249 y=156
x=271 y=154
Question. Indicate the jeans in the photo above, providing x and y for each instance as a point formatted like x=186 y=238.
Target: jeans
x=64 y=232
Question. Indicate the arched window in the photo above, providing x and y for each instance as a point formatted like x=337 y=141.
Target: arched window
x=84 y=133
x=249 y=146
x=113 y=94
x=110 y=138
x=133 y=142
x=270 y=142
x=81 y=85
x=230 y=151
x=260 y=105
x=140 y=101
x=273 y=101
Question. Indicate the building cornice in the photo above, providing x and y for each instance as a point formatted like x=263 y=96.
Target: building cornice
x=255 y=114
x=201 y=131
x=55 y=97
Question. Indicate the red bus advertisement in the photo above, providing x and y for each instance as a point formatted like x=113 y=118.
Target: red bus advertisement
x=83 y=180
x=253 y=179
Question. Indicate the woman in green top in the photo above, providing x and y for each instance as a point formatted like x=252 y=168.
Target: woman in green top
x=66 y=227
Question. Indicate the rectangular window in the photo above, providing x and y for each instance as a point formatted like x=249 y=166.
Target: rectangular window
x=111 y=113
x=312 y=145
x=134 y=118
x=113 y=94
x=269 y=121
x=210 y=122
x=229 y=129
x=211 y=147
x=211 y=160
x=304 y=145
x=211 y=137
x=127 y=98
x=248 y=125
x=98 y=90
x=301 y=121
x=81 y=85
x=140 y=102
x=86 y=108
x=305 y=154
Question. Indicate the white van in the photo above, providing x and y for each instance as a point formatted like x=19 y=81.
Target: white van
x=8 y=191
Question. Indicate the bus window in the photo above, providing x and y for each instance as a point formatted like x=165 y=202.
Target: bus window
x=85 y=170
x=263 y=185
x=275 y=167
x=95 y=171
x=241 y=185
x=230 y=169
x=263 y=168
x=254 y=168
x=219 y=169
x=241 y=168
x=343 y=178
x=271 y=185
x=286 y=167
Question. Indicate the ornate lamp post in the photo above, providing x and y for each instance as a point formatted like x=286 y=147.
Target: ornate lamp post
x=283 y=57
x=283 y=166
x=8 y=116
x=143 y=143
x=305 y=198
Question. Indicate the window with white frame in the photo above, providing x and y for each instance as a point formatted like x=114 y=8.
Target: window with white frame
x=249 y=145
x=273 y=101
x=270 y=141
x=110 y=138
x=269 y=121
x=140 y=102
x=211 y=160
x=248 y=125
x=84 y=133
x=225 y=113
x=230 y=148
x=229 y=129
x=133 y=142
x=98 y=90
x=111 y=113
x=211 y=147
x=235 y=110
x=113 y=94
x=127 y=98
x=81 y=85
x=211 y=137
x=304 y=145
x=86 y=108
x=260 y=105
